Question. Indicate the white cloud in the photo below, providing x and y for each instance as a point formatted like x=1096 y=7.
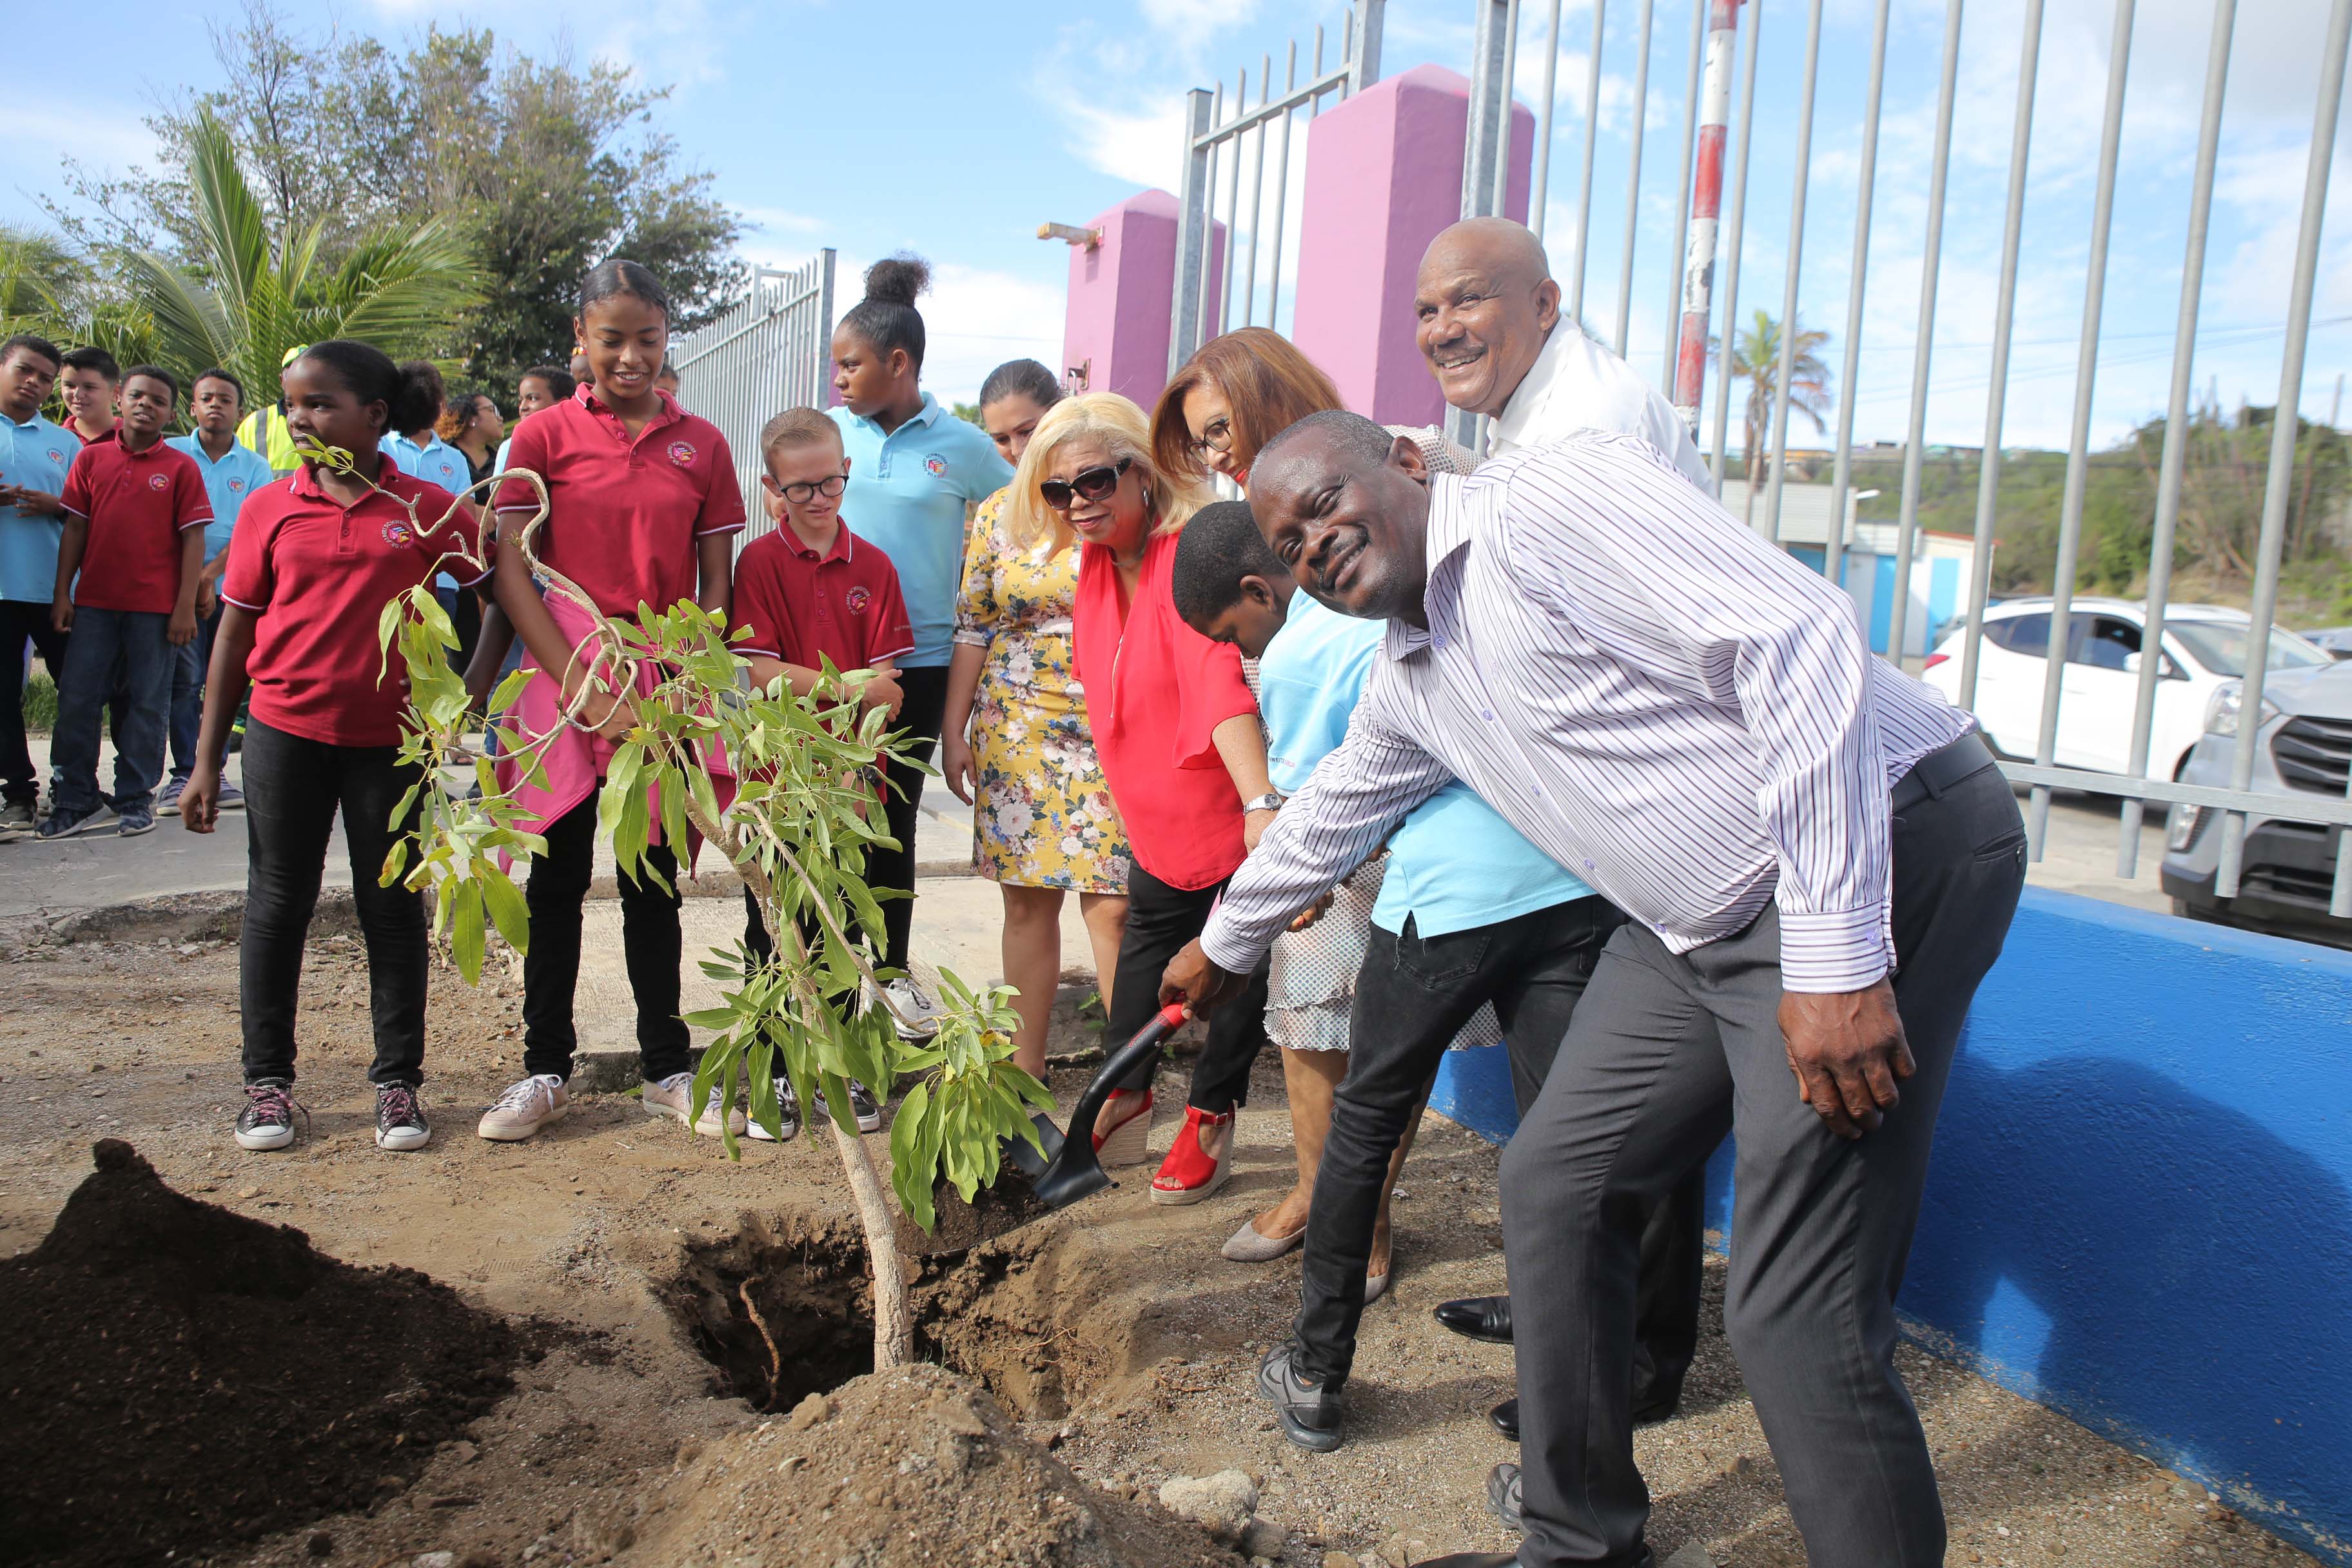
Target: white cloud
x=778 y=221
x=1144 y=148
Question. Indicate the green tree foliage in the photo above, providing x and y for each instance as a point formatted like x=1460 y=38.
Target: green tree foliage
x=537 y=168
x=242 y=299
x=1755 y=361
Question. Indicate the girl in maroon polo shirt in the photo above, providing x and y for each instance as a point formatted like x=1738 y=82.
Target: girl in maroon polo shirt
x=642 y=507
x=316 y=558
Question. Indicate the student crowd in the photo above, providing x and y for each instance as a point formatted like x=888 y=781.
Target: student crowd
x=1408 y=748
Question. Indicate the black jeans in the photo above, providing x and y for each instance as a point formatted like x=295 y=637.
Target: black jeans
x=1670 y=1051
x=1160 y=921
x=196 y=659
x=927 y=698
x=1412 y=997
x=19 y=619
x=293 y=788
x=651 y=944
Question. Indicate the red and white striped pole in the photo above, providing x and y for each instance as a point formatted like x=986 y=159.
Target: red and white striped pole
x=1706 y=207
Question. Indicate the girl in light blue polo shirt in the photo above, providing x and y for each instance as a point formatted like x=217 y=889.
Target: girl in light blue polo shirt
x=915 y=473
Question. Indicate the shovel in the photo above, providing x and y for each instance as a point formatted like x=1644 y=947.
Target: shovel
x=1069 y=1171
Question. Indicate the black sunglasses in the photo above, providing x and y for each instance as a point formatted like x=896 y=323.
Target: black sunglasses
x=800 y=494
x=1095 y=484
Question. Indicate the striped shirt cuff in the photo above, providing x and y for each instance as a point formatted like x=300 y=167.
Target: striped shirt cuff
x=1835 y=950
x=1228 y=949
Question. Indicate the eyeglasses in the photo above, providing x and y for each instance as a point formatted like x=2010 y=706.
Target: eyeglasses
x=1217 y=437
x=799 y=494
x=1095 y=484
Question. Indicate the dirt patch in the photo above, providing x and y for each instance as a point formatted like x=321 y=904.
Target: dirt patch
x=912 y=1466
x=182 y=1377
x=961 y=1225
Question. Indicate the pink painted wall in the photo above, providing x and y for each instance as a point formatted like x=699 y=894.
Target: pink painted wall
x=1384 y=178
x=1117 y=312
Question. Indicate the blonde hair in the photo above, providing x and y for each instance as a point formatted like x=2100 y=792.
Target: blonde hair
x=797 y=427
x=1123 y=432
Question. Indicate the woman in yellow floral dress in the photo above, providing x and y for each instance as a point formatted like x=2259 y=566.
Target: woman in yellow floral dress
x=1014 y=741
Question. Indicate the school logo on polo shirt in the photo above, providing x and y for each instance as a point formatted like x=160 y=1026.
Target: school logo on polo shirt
x=858 y=598
x=55 y=456
x=936 y=466
x=159 y=481
x=237 y=484
x=396 y=534
x=682 y=453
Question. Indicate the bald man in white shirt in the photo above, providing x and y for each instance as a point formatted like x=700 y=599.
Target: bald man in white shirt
x=1491 y=328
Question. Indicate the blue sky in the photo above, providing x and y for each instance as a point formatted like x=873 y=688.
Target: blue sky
x=954 y=129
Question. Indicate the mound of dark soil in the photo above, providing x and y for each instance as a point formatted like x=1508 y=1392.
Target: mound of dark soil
x=1008 y=1206
x=181 y=1377
x=914 y=1465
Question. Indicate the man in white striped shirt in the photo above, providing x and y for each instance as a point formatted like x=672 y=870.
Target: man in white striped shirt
x=1820 y=861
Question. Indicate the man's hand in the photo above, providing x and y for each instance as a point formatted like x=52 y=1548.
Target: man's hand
x=200 y=799
x=1313 y=913
x=42 y=503
x=182 y=629
x=1254 y=826
x=1191 y=979
x=61 y=614
x=207 y=598
x=1846 y=1051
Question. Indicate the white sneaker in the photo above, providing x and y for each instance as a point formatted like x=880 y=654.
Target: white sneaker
x=915 y=1016
x=527 y=1106
x=788 y=1116
x=674 y=1096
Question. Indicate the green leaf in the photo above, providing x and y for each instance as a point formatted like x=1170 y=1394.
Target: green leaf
x=466 y=941
x=508 y=907
x=911 y=1172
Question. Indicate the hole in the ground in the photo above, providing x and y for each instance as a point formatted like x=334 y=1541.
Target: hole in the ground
x=782 y=1310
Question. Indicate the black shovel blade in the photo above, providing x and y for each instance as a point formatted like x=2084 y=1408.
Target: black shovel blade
x=1075 y=1171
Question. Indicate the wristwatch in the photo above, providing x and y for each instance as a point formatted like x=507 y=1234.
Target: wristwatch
x=1267 y=802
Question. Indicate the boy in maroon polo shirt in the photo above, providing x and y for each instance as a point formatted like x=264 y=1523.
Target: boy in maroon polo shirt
x=128 y=564
x=813 y=591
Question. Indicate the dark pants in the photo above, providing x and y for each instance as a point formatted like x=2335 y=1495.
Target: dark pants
x=1668 y=1053
x=293 y=788
x=927 y=697
x=1160 y=921
x=188 y=694
x=651 y=944
x=20 y=619
x=465 y=609
x=1413 y=995
x=121 y=661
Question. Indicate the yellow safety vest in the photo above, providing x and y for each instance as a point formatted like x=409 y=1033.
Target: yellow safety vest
x=265 y=432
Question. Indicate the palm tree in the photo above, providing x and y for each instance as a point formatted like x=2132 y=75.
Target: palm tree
x=243 y=304
x=1756 y=360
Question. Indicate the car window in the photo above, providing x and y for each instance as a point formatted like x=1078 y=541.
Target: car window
x=2026 y=635
x=2220 y=647
x=2106 y=643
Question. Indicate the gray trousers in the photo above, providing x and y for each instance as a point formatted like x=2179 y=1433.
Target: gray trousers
x=1667 y=1052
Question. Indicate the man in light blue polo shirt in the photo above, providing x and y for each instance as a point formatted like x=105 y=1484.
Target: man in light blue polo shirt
x=1469 y=913
x=34 y=456
x=233 y=472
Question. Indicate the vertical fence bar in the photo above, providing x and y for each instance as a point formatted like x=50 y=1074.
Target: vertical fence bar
x=1503 y=118
x=1541 y=186
x=1193 y=232
x=2004 y=316
x=1370 y=19
x=1706 y=217
x=1257 y=191
x=1787 y=367
x=1634 y=183
x=1489 y=112
x=1731 y=258
x=1683 y=192
x=2286 y=424
x=2078 y=451
x=1215 y=324
x=1931 y=265
x=2175 y=429
x=1842 y=473
x=1584 y=190
x=1282 y=190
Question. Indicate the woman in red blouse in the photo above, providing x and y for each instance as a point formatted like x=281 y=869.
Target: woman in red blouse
x=1178 y=734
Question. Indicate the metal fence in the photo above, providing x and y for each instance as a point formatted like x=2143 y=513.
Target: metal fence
x=1706 y=279
x=771 y=351
x=1204 y=299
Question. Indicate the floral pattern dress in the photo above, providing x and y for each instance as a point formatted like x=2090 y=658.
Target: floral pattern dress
x=1042 y=816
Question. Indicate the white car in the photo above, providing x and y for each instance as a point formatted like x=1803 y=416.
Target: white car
x=2204 y=650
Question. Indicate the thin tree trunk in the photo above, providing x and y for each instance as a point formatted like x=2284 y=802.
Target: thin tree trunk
x=894 y=1318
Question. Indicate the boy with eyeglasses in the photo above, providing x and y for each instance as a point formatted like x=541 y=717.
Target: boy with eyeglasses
x=809 y=592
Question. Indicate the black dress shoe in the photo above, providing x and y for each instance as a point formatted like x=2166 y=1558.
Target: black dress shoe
x=1483 y=1317
x=1506 y=1417
x=1472 y=1559
x=1309 y=1412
